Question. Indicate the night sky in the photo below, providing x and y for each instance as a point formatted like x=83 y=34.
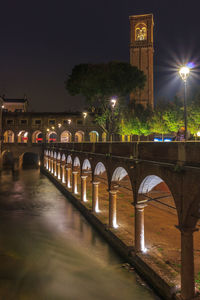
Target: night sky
x=41 y=41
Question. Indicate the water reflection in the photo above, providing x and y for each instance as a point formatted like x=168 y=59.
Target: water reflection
x=49 y=251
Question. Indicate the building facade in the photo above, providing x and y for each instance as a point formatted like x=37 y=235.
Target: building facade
x=30 y=127
x=14 y=105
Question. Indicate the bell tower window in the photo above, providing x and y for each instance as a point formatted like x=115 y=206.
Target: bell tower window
x=141 y=32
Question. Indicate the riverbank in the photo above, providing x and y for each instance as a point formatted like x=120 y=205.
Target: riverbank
x=154 y=270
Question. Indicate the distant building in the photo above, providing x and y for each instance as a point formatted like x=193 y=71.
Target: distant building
x=14 y=105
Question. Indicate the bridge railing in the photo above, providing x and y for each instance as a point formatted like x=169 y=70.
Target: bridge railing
x=181 y=152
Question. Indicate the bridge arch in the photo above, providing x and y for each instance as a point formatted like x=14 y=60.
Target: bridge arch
x=29 y=159
x=86 y=165
x=69 y=159
x=8 y=136
x=156 y=201
x=7 y=159
x=58 y=156
x=100 y=182
x=121 y=188
x=63 y=157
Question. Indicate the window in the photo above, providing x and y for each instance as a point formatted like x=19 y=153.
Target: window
x=141 y=32
x=37 y=122
x=18 y=110
x=10 y=122
x=79 y=122
x=24 y=122
x=52 y=122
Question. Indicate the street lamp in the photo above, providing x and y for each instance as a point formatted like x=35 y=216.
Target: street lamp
x=84 y=115
x=184 y=74
x=113 y=102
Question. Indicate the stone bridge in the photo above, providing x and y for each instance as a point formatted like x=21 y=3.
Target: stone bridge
x=17 y=151
x=155 y=171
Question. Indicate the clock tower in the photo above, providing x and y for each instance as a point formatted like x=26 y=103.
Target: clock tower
x=141 y=55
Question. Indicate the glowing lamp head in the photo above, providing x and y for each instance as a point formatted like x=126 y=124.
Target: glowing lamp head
x=113 y=102
x=59 y=125
x=69 y=121
x=184 y=72
x=198 y=133
x=84 y=115
x=52 y=127
x=47 y=129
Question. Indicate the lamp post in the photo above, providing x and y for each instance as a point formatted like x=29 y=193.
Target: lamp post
x=184 y=74
x=113 y=102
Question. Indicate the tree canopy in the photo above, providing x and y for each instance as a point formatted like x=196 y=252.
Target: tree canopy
x=98 y=82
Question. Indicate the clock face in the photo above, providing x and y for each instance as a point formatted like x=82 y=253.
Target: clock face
x=141 y=32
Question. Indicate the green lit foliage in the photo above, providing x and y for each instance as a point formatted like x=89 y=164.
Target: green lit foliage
x=173 y=115
x=136 y=122
x=158 y=124
x=193 y=113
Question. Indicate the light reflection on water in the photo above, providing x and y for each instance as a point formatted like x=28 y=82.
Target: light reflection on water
x=49 y=251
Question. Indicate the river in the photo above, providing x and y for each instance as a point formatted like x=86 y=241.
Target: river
x=48 y=251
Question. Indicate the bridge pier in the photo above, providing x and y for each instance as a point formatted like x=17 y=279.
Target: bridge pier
x=63 y=173
x=83 y=188
x=139 y=227
x=51 y=166
x=55 y=168
x=187 y=263
x=74 y=182
x=68 y=177
x=58 y=170
x=113 y=209
x=95 y=196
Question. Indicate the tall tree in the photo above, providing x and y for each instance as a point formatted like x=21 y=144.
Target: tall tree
x=98 y=83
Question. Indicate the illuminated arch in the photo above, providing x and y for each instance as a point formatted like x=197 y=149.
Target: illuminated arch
x=58 y=156
x=86 y=165
x=149 y=183
x=55 y=155
x=77 y=162
x=51 y=136
x=94 y=136
x=8 y=136
x=23 y=136
x=79 y=136
x=51 y=154
x=69 y=159
x=119 y=174
x=63 y=157
x=65 y=137
x=99 y=169
x=37 y=137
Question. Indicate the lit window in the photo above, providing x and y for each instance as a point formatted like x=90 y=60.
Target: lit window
x=141 y=32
